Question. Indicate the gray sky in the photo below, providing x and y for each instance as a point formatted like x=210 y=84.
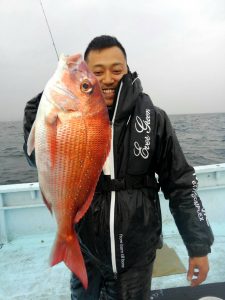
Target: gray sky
x=177 y=47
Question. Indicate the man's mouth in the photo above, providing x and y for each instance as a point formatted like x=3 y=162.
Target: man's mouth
x=108 y=91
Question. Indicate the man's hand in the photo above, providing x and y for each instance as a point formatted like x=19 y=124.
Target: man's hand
x=198 y=268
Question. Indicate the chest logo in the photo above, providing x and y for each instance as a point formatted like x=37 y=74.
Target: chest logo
x=142 y=127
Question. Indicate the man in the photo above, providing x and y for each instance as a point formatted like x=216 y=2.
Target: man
x=121 y=231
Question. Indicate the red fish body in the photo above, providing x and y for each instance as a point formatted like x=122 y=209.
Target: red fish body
x=71 y=137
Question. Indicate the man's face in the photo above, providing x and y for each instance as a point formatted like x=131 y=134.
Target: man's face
x=109 y=65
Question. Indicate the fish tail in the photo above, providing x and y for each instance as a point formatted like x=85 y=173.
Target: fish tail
x=69 y=252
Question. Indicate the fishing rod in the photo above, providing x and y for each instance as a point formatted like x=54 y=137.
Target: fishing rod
x=49 y=29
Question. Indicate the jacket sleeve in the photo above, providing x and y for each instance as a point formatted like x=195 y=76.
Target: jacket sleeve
x=179 y=184
x=30 y=112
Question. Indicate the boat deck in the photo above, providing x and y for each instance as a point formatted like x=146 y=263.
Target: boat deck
x=27 y=234
x=26 y=275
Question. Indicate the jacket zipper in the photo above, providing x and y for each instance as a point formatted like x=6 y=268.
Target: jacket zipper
x=113 y=193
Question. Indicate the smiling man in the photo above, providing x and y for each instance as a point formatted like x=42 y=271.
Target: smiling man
x=109 y=65
x=121 y=230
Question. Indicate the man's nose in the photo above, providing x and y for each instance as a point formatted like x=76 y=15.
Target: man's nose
x=108 y=78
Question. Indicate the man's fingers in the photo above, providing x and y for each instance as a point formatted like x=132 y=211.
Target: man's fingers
x=190 y=273
x=196 y=274
x=198 y=270
x=200 y=278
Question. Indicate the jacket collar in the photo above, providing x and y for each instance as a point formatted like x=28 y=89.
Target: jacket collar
x=127 y=92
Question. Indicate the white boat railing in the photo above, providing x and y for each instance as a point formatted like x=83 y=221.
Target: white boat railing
x=22 y=211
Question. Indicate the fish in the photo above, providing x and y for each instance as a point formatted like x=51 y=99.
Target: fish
x=71 y=138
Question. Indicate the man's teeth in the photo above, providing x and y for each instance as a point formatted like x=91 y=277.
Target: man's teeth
x=109 y=91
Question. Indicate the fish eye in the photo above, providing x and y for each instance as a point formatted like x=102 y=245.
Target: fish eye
x=86 y=86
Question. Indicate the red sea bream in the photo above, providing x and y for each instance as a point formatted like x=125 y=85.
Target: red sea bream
x=71 y=138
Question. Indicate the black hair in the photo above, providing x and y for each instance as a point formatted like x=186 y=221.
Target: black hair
x=103 y=42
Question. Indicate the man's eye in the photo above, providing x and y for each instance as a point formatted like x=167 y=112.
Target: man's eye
x=98 y=73
x=117 y=71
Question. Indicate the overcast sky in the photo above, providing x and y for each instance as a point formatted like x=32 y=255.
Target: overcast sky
x=176 y=46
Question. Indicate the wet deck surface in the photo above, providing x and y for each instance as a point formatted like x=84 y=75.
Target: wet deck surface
x=26 y=275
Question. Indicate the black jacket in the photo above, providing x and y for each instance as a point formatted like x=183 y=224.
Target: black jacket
x=123 y=222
